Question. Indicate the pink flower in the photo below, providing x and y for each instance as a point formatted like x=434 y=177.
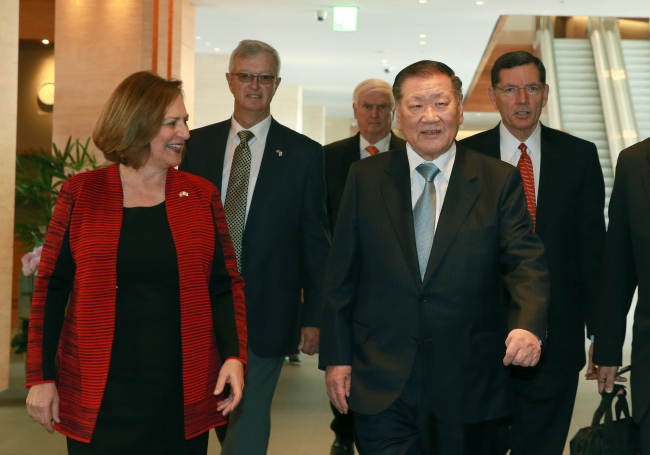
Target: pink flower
x=31 y=261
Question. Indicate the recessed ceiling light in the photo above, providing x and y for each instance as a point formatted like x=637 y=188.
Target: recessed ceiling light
x=480 y=3
x=198 y=37
x=422 y=1
x=423 y=42
x=423 y=35
x=384 y=62
x=207 y=43
x=217 y=49
x=46 y=41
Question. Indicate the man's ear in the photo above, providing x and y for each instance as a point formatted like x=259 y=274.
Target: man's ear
x=493 y=97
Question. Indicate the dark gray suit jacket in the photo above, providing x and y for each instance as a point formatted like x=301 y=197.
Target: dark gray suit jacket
x=286 y=239
x=339 y=156
x=379 y=312
x=571 y=224
x=626 y=266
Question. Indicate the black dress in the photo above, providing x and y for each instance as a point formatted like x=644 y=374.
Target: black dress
x=142 y=407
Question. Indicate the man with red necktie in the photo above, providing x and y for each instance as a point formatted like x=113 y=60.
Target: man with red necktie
x=565 y=192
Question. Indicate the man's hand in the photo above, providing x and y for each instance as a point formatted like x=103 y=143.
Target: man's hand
x=592 y=370
x=606 y=377
x=43 y=404
x=309 y=340
x=522 y=348
x=232 y=372
x=337 y=380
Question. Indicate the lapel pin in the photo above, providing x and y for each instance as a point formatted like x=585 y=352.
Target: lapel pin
x=183 y=194
x=279 y=152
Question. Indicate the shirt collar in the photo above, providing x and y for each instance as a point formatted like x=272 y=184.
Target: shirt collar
x=510 y=144
x=383 y=145
x=444 y=162
x=260 y=130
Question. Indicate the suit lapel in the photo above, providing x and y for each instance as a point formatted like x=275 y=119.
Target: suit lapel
x=492 y=143
x=221 y=140
x=646 y=178
x=396 y=192
x=271 y=164
x=550 y=165
x=461 y=196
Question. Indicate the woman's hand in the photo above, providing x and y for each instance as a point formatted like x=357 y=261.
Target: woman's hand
x=43 y=404
x=232 y=372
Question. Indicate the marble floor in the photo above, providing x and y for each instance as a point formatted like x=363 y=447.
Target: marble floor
x=300 y=415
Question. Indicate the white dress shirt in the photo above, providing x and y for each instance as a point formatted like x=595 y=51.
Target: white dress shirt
x=445 y=163
x=510 y=152
x=383 y=146
x=256 y=146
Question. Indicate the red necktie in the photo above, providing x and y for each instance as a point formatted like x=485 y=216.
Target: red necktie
x=525 y=166
x=372 y=150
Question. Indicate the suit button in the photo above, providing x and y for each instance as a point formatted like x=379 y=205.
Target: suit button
x=415 y=340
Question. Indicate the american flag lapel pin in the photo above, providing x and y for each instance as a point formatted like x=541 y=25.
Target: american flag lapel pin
x=279 y=152
x=183 y=194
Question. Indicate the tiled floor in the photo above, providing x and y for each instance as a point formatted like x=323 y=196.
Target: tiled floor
x=300 y=415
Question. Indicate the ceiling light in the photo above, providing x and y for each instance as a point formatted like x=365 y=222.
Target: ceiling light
x=480 y=3
x=423 y=42
x=344 y=18
x=217 y=49
x=46 y=41
x=423 y=36
x=207 y=43
x=198 y=37
x=422 y=1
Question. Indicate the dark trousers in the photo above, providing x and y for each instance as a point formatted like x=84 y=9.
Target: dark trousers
x=541 y=426
x=644 y=430
x=409 y=427
x=342 y=424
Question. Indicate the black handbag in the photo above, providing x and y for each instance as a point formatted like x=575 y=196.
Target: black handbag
x=613 y=437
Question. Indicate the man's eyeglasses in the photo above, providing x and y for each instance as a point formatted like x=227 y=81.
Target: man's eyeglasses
x=263 y=79
x=510 y=91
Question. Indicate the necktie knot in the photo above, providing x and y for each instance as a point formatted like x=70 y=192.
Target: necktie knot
x=245 y=136
x=523 y=148
x=372 y=150
x=428 y=171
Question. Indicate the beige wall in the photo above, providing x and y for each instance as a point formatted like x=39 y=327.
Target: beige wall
x=8 y=107
x=213 y=101
x=98 y=44
x=337 y=129
x=313 y=122
x=36 y=66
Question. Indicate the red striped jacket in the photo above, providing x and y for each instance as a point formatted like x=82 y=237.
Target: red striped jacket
x=89 y=208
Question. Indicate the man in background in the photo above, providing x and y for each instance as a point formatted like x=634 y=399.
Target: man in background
x=373 y=106
x=565 y=192
x=272 y=186
x=626 y=266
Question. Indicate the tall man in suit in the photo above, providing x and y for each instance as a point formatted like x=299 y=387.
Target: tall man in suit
x=272 y=184
x=373 y=105
x=626 y=266
x=415 y=333
x=567 y=194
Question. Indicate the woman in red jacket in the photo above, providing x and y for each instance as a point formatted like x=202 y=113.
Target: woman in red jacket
x=155 y=326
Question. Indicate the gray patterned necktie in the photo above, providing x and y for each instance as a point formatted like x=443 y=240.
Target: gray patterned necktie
x=237 y=194
x=424 y=215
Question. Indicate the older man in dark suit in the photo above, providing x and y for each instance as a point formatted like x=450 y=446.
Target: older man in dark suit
x=416 y=335
x=373 y=106
x=626 y=266
x=272 y=182
x=566 y=195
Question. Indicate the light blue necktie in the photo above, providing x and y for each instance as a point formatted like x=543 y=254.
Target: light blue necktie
x=424 y=215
